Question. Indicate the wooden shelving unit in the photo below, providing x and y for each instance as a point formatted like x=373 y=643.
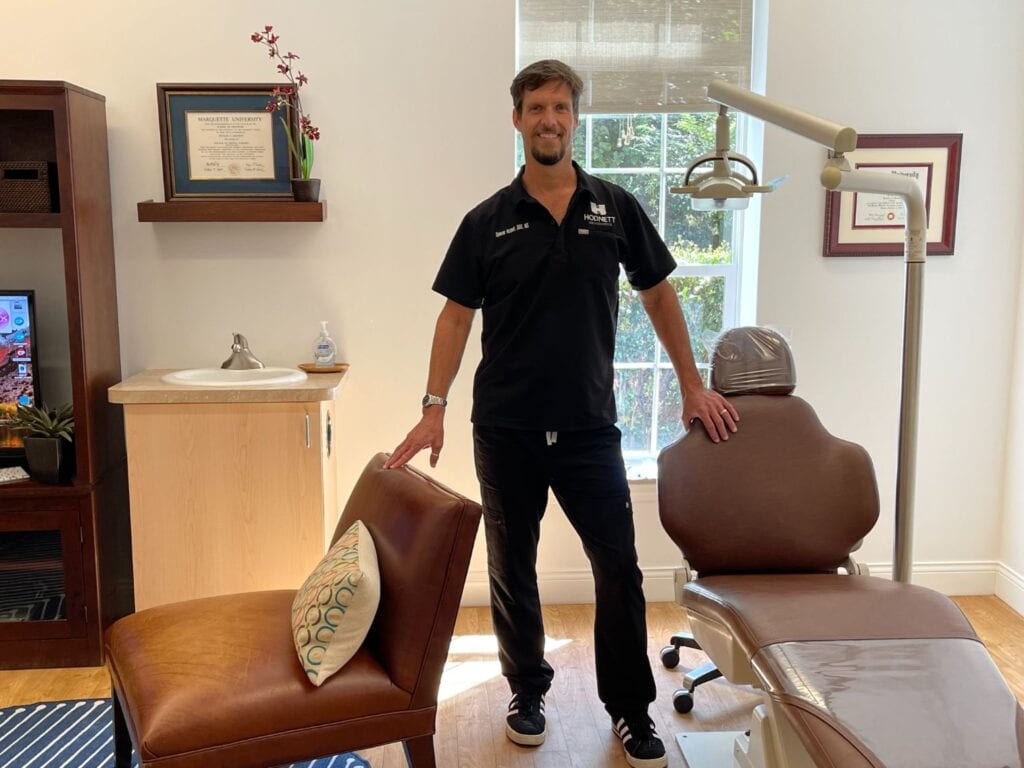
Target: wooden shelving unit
x=231 y=210
x=31 y=220
x=66 y=125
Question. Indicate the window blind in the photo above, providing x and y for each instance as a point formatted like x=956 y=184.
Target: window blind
x=640 y=55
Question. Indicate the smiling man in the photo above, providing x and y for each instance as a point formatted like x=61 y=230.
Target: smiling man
x=541 y=258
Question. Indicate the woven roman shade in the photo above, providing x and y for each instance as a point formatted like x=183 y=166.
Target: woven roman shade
x=641 y=55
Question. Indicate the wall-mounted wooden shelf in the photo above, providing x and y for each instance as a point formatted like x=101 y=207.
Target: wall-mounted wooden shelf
x=231 y=210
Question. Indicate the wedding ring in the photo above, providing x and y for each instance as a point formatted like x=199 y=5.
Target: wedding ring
x=723 y=412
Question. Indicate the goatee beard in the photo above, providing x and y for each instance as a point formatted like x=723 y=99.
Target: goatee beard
x=553 y=158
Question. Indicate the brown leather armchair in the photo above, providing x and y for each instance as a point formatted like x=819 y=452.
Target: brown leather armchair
x=216 y=681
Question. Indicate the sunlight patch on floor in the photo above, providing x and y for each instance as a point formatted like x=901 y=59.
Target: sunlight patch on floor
x=473 y=660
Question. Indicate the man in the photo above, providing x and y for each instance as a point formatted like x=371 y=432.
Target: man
x=541 y=257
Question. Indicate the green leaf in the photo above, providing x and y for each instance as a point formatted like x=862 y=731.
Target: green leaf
x=42 y=421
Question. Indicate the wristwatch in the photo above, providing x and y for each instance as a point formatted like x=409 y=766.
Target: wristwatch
x=429 y=399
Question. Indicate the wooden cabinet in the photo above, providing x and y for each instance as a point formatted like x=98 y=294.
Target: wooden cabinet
x=228 y=496
x=74 y=539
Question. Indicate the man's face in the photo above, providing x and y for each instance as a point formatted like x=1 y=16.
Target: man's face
x=547 y=122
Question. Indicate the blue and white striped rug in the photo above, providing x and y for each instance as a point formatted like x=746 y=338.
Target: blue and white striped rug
x=79 y=734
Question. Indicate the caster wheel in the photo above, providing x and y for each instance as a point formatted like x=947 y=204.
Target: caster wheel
x=670 y=657
x=682 y=700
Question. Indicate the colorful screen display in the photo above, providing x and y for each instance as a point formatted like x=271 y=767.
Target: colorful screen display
x=19 y=383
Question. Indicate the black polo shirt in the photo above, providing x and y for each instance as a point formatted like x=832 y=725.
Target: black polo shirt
x=550 y=300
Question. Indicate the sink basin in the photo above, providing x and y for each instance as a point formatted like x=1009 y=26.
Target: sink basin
x=229 y=377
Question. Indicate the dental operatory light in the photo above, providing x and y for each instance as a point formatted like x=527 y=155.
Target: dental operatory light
x=724 y=188
x=721 y=186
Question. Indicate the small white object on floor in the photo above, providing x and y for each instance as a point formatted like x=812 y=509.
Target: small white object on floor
x=708 y=749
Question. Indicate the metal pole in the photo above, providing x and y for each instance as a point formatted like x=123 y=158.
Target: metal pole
x=906 y=461
x=836 y=175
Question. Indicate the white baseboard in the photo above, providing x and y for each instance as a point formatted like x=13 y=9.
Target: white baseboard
x=1010 y=587
x=571 y=587
x=963 y=577
x=949 y=578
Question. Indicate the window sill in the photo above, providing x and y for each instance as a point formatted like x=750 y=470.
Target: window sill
x=641 y=469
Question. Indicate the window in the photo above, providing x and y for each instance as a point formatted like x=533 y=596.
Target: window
x=644 y=118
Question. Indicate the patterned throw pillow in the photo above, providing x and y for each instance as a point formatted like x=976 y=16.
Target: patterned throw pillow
x=334 y=609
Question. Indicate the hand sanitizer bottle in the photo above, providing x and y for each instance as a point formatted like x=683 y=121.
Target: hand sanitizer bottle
x=324 y=349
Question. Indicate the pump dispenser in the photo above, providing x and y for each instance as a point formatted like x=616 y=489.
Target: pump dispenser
x=324 y=348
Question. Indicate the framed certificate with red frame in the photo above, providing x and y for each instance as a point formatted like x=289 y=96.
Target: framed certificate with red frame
x=859 y=224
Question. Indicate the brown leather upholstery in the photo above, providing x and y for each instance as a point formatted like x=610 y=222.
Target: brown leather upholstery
x=792 y=497
x=935 y=702
x=802 y=607
x=216 y=682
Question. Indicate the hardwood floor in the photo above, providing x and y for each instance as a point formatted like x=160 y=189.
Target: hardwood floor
x=474 y=696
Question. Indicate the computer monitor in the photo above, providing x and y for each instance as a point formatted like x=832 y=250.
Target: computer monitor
x=19 y=367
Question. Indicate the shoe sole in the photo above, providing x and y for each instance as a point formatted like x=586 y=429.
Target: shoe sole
x=642 y=762
x=524 y=739
x=649 y=762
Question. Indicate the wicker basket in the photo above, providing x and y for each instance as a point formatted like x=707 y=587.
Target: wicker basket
x=25 y=187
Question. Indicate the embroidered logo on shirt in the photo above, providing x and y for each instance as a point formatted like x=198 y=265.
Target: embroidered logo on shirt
x=513 y=228
x=598 y=215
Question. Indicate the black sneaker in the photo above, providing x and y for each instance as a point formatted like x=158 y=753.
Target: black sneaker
x=640 y=741
x=525 y=722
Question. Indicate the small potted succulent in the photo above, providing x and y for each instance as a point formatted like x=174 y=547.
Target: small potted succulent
x=48 y=438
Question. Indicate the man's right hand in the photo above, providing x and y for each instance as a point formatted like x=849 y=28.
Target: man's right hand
x=428 y=433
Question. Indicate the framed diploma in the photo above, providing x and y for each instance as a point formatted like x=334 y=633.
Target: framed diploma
x=858 y=224
x=219 y=141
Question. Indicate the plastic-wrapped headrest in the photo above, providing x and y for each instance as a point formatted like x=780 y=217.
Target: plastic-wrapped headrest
x=752 y=361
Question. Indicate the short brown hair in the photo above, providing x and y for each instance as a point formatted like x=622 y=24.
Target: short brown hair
x=540 y=72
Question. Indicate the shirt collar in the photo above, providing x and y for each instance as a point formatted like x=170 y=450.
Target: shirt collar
x=584 y=183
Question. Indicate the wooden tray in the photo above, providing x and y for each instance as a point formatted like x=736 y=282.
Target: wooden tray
x=311 y=368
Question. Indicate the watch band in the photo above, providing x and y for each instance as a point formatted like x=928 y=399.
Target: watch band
x=429 y=399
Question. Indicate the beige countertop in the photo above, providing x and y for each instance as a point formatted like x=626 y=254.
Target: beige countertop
x=146 y=387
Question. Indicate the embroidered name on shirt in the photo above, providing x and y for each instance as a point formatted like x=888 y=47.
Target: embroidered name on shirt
x=513 y=228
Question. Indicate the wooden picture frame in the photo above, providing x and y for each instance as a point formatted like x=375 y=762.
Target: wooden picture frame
x=220 y=141
x=859 y=224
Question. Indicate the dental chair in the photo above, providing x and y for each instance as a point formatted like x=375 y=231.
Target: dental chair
x=855 y=671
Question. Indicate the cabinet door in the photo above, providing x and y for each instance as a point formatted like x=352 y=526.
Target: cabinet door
x=225 y=497
x=41 y=580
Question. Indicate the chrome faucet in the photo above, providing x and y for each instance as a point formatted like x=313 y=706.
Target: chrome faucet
x=241 y=357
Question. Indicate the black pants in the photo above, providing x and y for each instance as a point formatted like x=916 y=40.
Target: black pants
x=585 y=470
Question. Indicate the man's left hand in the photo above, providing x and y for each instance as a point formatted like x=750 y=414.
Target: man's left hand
x=718 y=415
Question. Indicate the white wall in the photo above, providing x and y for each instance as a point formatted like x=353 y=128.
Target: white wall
x=1010 y=579
x=413 y=106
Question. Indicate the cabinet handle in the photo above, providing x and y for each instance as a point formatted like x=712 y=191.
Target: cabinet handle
x=329 y=434
x=308 y=442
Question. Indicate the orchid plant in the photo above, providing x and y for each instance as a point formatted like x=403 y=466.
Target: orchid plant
x=286 y=97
